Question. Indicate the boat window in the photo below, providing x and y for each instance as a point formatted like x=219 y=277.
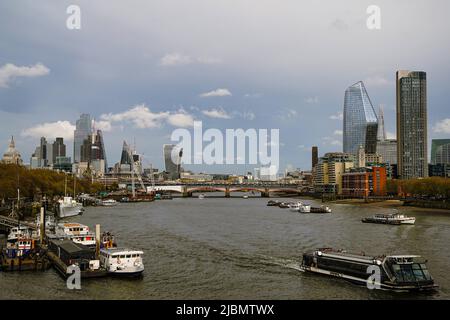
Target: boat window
x=128 y=256
x=122 y=256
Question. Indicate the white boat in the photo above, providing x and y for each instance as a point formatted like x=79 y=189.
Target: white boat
x=245 y=196
x=68 y=207
x=201 y=196
x=18 y=232
x=304 y=208
x=77 y=232
x=108 y=203
x=295 y=207
x=395 y=218
x=123 y=262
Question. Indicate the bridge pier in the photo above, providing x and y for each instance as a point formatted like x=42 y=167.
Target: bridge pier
x=227 y=192
x=265 y=193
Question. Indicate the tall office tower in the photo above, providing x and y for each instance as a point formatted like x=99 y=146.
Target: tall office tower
x=387 y=149
x=440 y=151
x=43 y=153
x=98 y=148
x=360 y=120
x=172 y=160
x=412 y=124
x=82 y=131
x=314 y=156
x=49 y=154
x=381 y=129
x=59 y=149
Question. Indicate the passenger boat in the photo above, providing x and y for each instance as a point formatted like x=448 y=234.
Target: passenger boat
x=397 y=272
x=321 y=209
x=273 y=203
x=68 y=207
x=77 y=232
x=123 y=262
x=18 y=232
x=108 y=203
x=304 y=208
x=395 y=218
x=295 y=207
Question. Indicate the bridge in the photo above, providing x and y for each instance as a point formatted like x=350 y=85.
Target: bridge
x=186 y=190
x=11 y=223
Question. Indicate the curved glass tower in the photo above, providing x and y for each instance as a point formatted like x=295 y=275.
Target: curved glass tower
x=360 y=120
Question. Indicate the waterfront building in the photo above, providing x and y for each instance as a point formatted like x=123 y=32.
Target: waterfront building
x=439 y=170
x=172 y=160
x=440 y=151
x=12 y=155
x=83 y=129
x=329 y=171
x=364 y=182
x=360 y=120
x=412 y=160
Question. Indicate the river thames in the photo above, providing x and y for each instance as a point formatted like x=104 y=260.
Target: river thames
x=236 y=248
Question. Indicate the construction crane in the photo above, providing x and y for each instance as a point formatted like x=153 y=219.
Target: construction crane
x=135 y=171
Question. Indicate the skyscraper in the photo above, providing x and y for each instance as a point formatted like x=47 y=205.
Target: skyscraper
x=360 y=120
x=381 y=129
x=82 y=131
x=440 y=151
x=172 y=160
x=59 y=149
x=314 y=156
x=412 y=124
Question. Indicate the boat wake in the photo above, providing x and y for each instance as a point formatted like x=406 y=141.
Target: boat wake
x=285 y=263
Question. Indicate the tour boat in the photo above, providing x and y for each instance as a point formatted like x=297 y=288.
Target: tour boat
x=295 y=207
x=395 y=218
x=273 y=203
x=321 y=209
x=108 y=203
x=18 y=232
x=77 y=232
x=68 y=207
x=304 y=208
x=122 y=262
x=396 y=272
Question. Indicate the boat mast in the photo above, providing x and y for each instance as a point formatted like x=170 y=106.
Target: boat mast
x=65 y=185
x=74 y=185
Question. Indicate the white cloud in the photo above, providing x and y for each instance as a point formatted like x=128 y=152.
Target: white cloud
x=218 y=113
x=221 y=92
x=51 y=130
x=377 y=81
x=312 y=100
x=248 y=115
x=175 y=59
x=9 y=72
x=391 y=135
x=142 y=117
x=442 y=126
x=338 y=116
x=180 y=119
x=179 y=59
x=103 y=125
x=338 y=132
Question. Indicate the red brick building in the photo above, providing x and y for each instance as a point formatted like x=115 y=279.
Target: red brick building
x=364 y=182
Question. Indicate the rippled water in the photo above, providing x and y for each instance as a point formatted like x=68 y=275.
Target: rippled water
x=237 y=248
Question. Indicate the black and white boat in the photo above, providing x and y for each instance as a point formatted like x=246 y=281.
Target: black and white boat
x=397 y=272
x=395 y=218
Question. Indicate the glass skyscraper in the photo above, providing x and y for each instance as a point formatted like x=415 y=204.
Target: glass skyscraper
x=360 y=120
x=82 y=131
x=172 y=160
x=412 y=124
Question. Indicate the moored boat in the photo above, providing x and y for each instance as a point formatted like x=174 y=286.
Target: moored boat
x=123 y=262
x=321 y=209
x=68 y=207
x=108 y=203
x=396 y=272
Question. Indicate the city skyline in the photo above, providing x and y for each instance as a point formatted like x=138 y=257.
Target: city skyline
x=171 y=74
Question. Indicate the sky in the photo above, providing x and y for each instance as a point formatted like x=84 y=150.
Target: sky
x=145 y=68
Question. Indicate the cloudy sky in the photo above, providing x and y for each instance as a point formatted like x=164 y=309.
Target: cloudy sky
x=145 y=68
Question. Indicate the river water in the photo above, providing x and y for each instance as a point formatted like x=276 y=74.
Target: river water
x=236 y=248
